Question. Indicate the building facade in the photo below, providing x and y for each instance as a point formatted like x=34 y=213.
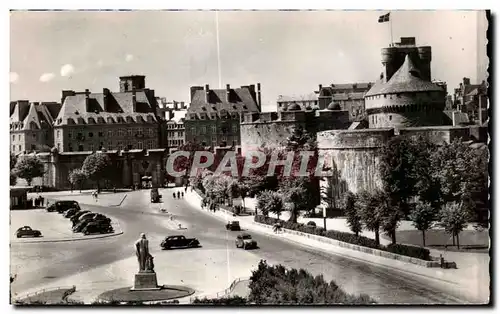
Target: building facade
x=472 y=99
x=213 y=117
x=306 y=102
x=123 y=120
x=349 y=97
x=31 y=125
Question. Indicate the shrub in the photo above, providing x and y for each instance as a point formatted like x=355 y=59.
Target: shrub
x=401 y=249
x=278 y=285
x=235 y=300
x=311 y=223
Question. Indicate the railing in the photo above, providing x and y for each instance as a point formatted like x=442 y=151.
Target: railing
x=221 y=293
x=32 y=294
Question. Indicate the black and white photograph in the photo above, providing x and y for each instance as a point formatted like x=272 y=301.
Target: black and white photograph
x=249 y=157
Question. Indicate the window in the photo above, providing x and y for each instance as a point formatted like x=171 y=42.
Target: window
x=130 y=146
x=34 y=136
x=110 y=145
x=130 y=132
x=150 y=132
x=70 y=147
x=101 y=134
x=203 y=129
x=235 y=128
x=140 y=131
x=139 y=145
x=80 y=148
x=13 y=147
x=390 y=117
x=119 y=145
x=19 y=136
x=120 y=132
x=150 y=145
x=58 y=147
x=179 y=134
x=214 y=129
x=13 y=137
x=110 y=133
x=193 y=130
x=58 y=134
x=91 y=147
x=70 y=135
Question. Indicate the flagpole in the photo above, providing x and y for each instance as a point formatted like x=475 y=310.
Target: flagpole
x=390 y=25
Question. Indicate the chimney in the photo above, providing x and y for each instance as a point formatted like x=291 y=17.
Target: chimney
x=207 y=93
x=320 y=88
x=454 y=123
x=183 y=106
x=87 y=100
x=105 y=99
x=228 y=93
x=134 y=101
x=175 y=105
x=259 y=100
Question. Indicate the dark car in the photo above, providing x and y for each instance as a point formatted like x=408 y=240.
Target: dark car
x=95 y=227
x=94 y=216
x=77 y=216
x=62 y=206
x=233 y=226
x=81 y=224
x=71 y=212
x=179 y=241
x=245 y=241
x=26 y=231
x=155 y=195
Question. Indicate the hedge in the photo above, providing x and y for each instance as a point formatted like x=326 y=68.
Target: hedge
x=235 y=300
x=406 y=250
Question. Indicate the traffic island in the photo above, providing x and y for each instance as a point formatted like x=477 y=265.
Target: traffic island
x=127 y=294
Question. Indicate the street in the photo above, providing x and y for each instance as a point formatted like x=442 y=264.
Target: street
x=42 y=263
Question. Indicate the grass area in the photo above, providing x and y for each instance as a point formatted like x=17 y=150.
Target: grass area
x=166 y=293
x=470 y=240
x=48 y=297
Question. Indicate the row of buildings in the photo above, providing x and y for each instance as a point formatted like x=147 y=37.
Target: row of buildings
x=140 y=129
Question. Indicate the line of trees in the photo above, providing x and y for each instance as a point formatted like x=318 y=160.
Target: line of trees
x=27 y=168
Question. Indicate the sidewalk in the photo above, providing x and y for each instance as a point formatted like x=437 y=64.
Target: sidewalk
x=470 y=280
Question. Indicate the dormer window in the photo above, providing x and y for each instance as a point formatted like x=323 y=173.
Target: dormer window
x=130 y=119
x=214 y=108
x=110 y=120
x=100 y=120
x=91 y=121
x=150 y=119
x=70 y=121
x=81 y=121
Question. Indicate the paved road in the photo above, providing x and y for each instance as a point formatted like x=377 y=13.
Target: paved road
x=58 y=260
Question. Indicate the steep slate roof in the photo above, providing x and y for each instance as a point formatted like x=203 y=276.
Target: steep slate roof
x=119 y=105
x=26 y=113
x=179 y=116
x=349 y=96
x=406 y=79
x=240 y=100
x=336 y=88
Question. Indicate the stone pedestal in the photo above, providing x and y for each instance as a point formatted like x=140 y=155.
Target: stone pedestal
x=145 y=281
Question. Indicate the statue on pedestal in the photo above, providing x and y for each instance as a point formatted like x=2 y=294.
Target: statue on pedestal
x=143 y=257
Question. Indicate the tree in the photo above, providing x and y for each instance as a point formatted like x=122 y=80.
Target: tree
x=462 y=171
x=352 y=214
x=243 y=189
x=28 y=168
x=422 y=215
x=270 y=202
x=454 y=217
x=388 y=214
x=13 y=178
x=77 y=177
x=13 y=161
x=368 y=205
x=300 y=193
x=97 y=167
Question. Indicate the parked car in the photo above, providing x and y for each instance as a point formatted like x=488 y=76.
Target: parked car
x=77 y=216
x=245 y=241
x=233 y=226
x=155 y=195
x=62 y=206
x=26 y=231
x=96 y=227
x=94 y=216
x=179 y=241
x=82 y=224
x=71 y=212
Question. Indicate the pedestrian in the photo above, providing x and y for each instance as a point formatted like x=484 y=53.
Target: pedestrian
x=178 y=194
x=174 y=194
x=182 y=194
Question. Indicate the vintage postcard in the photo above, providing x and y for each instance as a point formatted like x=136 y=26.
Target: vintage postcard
x=249 y=157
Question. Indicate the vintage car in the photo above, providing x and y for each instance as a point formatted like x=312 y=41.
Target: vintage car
x=233 y=226
x=62 y=206
x=74 y=219
x=97 y=228
x=71 y=212
x=26 y=231
x=80 y=226
x=94 y=216
x=245 y=241
x=179 y=241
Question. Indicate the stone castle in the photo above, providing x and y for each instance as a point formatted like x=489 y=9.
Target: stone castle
x=403 y=101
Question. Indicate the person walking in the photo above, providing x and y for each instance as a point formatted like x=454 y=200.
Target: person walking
x=174 y=194
x=178 y=194
x=182 y=194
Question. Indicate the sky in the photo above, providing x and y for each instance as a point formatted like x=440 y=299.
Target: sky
x=288 y=52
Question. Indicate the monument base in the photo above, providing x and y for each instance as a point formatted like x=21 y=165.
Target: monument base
x=145 y=281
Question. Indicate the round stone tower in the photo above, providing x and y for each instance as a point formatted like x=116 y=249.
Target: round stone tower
x=408 y=99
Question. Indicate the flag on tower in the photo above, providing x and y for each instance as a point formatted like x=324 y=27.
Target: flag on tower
x=384 y=18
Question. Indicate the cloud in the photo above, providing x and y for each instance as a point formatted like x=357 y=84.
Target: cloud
x=14 y=77
x=129 y=58
x=67 y=70
x=46 y=77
